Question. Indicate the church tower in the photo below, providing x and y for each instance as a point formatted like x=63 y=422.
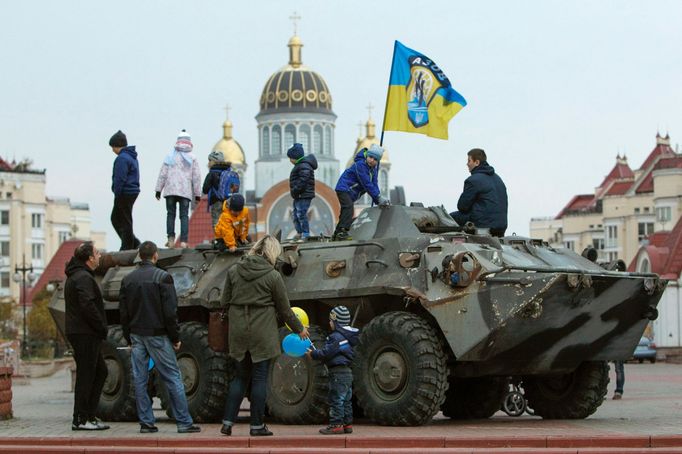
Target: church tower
x=233 y=152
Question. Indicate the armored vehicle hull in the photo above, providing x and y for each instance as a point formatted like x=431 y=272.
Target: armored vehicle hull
x=446 y=317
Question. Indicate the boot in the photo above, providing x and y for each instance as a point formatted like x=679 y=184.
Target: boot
x=170 y=244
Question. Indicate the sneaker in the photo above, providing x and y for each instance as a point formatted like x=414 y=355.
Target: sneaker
x=343 y=235
x=170 y=244
x=348 y=428
x=183 y=245
x=333 y=429
x=617 y=396
x=148 y=429
x=262 y=432
x=86 y=426
x=226 y=430
x=189 y=430
x=99 y=424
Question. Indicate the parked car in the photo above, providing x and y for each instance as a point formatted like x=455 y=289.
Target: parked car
x=645 y=350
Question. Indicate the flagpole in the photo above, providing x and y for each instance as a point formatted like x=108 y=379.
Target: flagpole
x=395 y=46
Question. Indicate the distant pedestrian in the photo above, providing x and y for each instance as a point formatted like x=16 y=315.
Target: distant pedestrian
x=86 y=330
x=125 y=184
x=233 y=225
x=180 y=181
x=356 y=180
x=148 y=307
x=619 y=366
x=215 y=194
x=338 y=354
x=254 y=295
x=301 y=187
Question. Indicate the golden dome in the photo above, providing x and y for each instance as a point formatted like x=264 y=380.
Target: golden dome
x=231 y=149
x=365 y=142
x=295 y=87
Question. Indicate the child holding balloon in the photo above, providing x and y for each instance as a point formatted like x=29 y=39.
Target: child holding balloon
x=338 y=356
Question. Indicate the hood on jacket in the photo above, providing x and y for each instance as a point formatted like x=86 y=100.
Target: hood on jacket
x=130 y=150
x=310 y=159
x=483 y=167
x=251 y=267
x=351 y=334
x=75 y=265
x=361 y=156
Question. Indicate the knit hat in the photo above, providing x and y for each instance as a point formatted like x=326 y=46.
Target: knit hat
x=375 y=151
x=296 y=151
x=118 y=140
x=216 y=156
x=340 y=315
x=184 y=142
x=236 y=202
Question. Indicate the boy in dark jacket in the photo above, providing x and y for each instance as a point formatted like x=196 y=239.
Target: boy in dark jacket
x=356 y=180
x=216 y=166
x=125 y=184
x=338 y=356
x=301 y=187
x=484 y=199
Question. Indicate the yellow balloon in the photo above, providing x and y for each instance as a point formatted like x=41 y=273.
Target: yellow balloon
x=301 y=316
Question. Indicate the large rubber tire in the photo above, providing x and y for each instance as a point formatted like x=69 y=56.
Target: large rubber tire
x=572 y=396
x=117 y=401
x=400 y=370
x=298 y=387
x=205 y=374
x=474 y=398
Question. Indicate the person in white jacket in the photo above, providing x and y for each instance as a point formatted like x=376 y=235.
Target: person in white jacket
x=180 y=182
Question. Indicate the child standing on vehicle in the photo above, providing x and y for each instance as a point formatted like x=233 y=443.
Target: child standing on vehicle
x=338 y=356
x=233 y=225
x=301 y=187
x=220 y=182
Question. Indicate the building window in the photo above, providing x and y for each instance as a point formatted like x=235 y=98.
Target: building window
x=569 y=245
x=383 y=182
x=289 y=136
x=4 y=217
x=37 y=251
x=611 y=235
x=317 y=139
x=4 y=279
x=646 y=209
x=37 y=220
x=663 y=214
x=598 y=243
x=328 y=140
x=4 y=248
x=266 y=140
x=636 y=210
x=63 y=236
x=612 y=256
x=276 y=141
x=304 y=137
x=644 y=229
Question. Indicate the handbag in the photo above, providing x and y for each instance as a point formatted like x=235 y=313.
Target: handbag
x=217 y=330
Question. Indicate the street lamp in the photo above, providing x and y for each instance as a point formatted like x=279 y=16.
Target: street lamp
x=20 y=275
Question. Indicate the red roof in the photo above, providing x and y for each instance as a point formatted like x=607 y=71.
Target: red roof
x=665 y=253
x=661 y=149
x=4 y=165
x=620 y=171
x=579 y=203
x=200 y=225
x=55 y=269
x=619 y=188
x=665 y=162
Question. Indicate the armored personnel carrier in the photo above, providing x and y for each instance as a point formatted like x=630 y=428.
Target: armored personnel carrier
x=447 y=318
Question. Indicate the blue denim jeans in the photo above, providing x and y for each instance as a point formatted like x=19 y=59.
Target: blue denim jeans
x=166 y=364
x=171 y=202
x=259 y=384
x=300 y=215
x=619 y=366
x=340 y=395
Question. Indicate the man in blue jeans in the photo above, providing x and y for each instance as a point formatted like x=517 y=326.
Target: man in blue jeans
x=148 y=305
x=619 y=366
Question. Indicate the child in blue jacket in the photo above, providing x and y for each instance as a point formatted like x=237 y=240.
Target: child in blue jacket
x=356 y=180
x=338 y=356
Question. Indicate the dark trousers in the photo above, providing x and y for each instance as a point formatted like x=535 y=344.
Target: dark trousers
x=340 y=395
x=258 y=373
x=172 y=201
x=619 y=366
x=346 y=214
x=91 y=372
x=122 y=220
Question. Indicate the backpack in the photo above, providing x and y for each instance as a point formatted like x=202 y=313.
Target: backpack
x=229 y=184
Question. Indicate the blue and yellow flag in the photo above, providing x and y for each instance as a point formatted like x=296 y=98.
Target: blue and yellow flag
x=420 y=97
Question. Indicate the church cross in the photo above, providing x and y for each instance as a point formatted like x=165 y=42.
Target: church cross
x=227 y=111
x=295 y=18
x=370 y=107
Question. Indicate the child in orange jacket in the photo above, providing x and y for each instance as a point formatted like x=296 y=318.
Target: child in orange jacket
x=233 y=225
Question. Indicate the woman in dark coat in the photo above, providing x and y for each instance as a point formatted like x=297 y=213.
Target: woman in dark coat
x=255 y=296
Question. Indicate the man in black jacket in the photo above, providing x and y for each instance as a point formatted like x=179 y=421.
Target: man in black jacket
x=86 y=328
x=484 y=199
x=148 y=306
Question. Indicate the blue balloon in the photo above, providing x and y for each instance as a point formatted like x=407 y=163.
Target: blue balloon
x=295 y=346
x=151 y=363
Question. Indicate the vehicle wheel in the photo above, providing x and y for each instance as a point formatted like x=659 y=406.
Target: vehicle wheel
x=572 y=396
x=205 y=374
x=652 y=360
x=400 y=370
x=298 y=387
x=474 y=398
x=514 y=404
x=641 y=360
x=117 y=401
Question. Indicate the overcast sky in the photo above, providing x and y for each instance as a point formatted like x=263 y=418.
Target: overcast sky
x=555 y=88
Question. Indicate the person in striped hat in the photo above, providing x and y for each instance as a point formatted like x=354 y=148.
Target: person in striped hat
x=338 y=356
